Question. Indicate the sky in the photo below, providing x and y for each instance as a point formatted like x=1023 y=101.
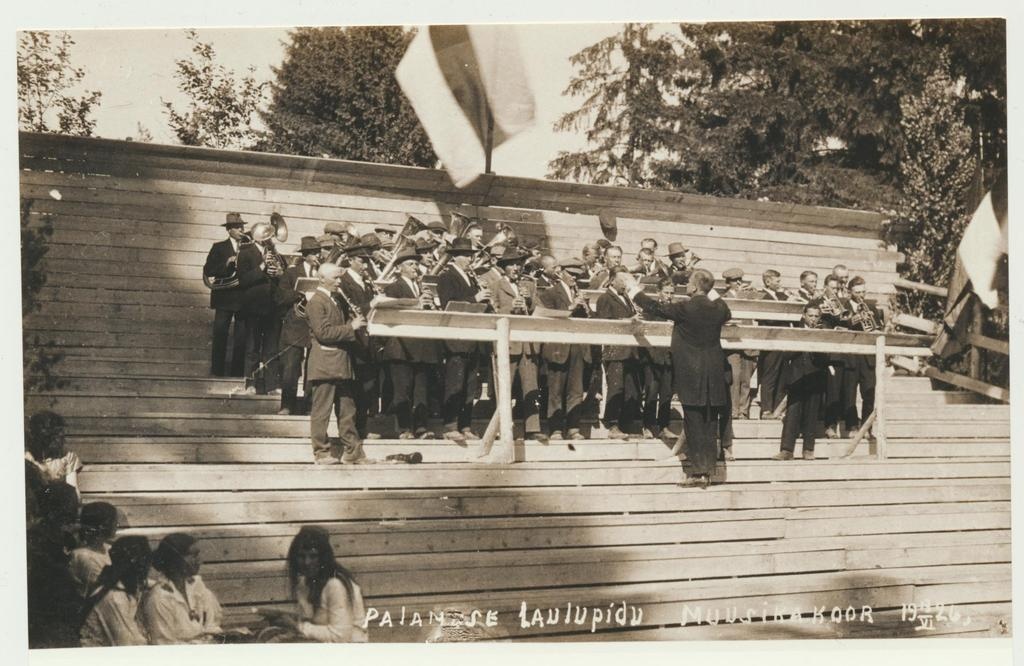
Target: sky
x=134 y=86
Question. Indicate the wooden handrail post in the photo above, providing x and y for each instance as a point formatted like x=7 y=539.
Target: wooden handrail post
x=503 y=391
x=880 y=397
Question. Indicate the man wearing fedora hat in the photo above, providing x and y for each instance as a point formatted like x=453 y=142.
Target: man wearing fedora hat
x=457 y=283
x=680 y=270
x=221 y=262
x=510 y=298
x=294 y=342
x=410 y=360
x=355 y=284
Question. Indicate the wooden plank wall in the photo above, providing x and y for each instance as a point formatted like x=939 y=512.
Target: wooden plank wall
x=133 y=223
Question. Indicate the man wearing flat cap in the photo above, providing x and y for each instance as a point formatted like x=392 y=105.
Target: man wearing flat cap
x=341 y=232
x=226 y=299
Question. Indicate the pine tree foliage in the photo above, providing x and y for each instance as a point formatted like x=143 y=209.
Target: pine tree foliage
x=335 y=95
x=623 y=80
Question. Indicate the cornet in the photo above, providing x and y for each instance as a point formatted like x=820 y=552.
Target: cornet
x=864 y=317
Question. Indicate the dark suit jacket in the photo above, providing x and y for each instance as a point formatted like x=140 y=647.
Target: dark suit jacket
x=555 y=298
x=501 y=291
x=259 y=291
x=330 y=356
x=452 y=287
x=216 y=266
x=610 y=306
x=413 y=350
x=699 y=365
x=655 y=355
x=797 y=366
x=294 y=331
x=368 y=348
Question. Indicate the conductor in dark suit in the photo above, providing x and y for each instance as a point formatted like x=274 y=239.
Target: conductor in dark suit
x=458 y=283
x=699 y=367
x=226 y=303
x=331 y=372
x=410 y=360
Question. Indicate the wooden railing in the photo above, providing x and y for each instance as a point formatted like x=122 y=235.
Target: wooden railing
x=977 y=341
x=501 y=330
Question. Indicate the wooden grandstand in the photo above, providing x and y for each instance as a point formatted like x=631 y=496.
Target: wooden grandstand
x=925 y=529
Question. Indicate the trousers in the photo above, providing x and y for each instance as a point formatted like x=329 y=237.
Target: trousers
x=702 y=425
x=339 y=396
x=622 y=403
x=769 y=367
x=565 y=392
x=292 y=361
x=263 y=332
x=743 y=367
x=657 y=409
x=460 y=389
x=409 y=394
x=803 y=404
x=221 y=326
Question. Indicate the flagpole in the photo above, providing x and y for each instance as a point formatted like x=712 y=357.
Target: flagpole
x=488 y=141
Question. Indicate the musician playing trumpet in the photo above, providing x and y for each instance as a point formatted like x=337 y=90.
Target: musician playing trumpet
x=226 y=302
x=294 y=344
x=860 y=374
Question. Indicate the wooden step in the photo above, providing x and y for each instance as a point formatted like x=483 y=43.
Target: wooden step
x=223 y=507
x=265 y=581
x=73 y=404
x=270 y=542
x=181 y=477
x=126 y=449
x=297 y=426
x=77 y=365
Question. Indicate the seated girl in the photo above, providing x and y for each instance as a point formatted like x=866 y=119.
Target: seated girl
x=179 y=608
x=329 y=602
x=97 y=527
x=44 y=441
x=111 y=611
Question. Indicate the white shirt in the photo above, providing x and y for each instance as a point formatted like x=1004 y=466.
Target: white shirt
x=85 y=567
x=338 y=619
x=114 y=621
x=234 y=244
x=170 y=618
x=310 y=270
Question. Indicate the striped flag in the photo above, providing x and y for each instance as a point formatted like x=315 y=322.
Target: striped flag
x=469 y=88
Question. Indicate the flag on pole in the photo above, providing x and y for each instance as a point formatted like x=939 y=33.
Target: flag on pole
x=977 y=260
x=469 y=89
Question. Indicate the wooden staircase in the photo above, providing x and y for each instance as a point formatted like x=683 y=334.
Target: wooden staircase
x=593 y=527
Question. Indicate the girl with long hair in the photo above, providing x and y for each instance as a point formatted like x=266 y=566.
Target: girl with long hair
x=179 y=608
x=330 y=603
x=111 y=612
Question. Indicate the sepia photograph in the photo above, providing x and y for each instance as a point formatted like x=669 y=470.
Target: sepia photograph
x=514 y=332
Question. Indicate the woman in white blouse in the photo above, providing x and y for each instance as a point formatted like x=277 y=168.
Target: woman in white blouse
x=111 y=611
x=330 y=603
x=178 y=607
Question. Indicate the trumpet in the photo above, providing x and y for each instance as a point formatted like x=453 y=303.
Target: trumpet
x=864 y=317
x=831 y=305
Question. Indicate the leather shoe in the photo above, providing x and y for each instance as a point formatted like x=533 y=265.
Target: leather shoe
x=407 y=435
x=727 y=455
x=426 y=434
x=456 y=436
x=574 y=433
x=326 y=460
x=469 y=434
x=783 y=455
x=372 y=435
x=647 y=434
x=539 y=436
x=831 y=433
x=556 y=436
x=699 y=481
x=808 y=455
x=615 y=433
x=284 y=411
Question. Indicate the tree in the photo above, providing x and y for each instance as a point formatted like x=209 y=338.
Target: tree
x=335 y=95
x=221 y=108
x=39 y=359
x=46 y=84
x=623 y=79
x=936 y=172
